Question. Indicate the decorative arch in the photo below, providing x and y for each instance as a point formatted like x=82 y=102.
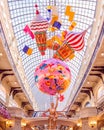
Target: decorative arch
x=87 y=104
x=2 y=93
x=100 y=93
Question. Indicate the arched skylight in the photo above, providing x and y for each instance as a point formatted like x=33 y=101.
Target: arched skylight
x=23 y=11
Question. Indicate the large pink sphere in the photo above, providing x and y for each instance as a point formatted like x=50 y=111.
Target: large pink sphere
x=52 y=76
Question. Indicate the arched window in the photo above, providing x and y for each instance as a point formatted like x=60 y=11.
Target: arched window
x=88 y=104
x=12 y=102
x=3 y=97
x=2 y=93
x=100 y=92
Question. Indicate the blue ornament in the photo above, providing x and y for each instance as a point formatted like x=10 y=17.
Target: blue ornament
x=57 y=24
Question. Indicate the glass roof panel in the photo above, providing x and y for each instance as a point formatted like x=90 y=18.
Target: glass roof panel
x=23 y=11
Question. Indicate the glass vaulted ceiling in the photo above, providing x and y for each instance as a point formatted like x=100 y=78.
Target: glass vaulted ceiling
x=23 y=11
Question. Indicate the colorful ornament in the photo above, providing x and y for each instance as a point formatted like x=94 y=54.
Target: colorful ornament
x=61 y=98
x=27 y=50
x=75 y=40
x=51 y=44
x=64 y=52
x=69 y=13
x=67 y=10
x=49 y=8
x=72 y=26
x=54 y=43
x=57 y=25
x=52 y=76
x=28 y=31
x=39 y=26
x=54 y=18
x=49 y=11
x=64 y=33
x=72 y=42
x=65 y=45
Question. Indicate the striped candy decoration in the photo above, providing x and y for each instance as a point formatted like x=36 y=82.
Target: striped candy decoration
x=39 y=26
x=76 y=40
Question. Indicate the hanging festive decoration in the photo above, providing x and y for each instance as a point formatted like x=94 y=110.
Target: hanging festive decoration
x=52 y=76
x=55 y=42
x=28 y=31
x=55 y=23
x=63 y=49
x=61 y=98
x=72 y=26
x=69 y=13
x=37 y=29
x=64 y=33
x=51 y=44
x=75 y=40
x=64 y=52
x=72 y=42
x=65 y=43
x=39 y=26
x=27 y=50
x=49 y=11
